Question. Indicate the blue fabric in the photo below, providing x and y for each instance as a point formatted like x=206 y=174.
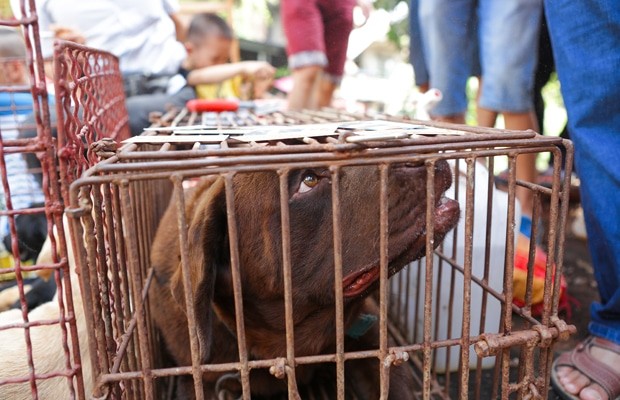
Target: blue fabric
x=416 y=51
x=585 y=35
x=499 y=37
x=448 y=30
x=139 y=107
x=362 y=325
x=18 y=103
x=526 y=226
x=508 y=41
x=15 y=103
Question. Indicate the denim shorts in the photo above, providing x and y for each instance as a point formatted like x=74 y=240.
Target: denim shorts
x=497 y=39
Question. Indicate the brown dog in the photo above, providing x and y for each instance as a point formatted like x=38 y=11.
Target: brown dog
x=257 y=209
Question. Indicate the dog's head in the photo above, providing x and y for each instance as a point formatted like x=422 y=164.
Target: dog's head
x=310 y=196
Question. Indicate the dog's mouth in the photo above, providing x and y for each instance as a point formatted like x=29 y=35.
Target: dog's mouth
x=356 y=283
x=446 y=217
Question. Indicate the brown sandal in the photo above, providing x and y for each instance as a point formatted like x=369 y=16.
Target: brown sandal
x=581 y=359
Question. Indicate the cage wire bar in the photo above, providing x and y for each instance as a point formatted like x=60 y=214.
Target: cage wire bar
x=44 y=147
x=89 y=106
x=118 y=203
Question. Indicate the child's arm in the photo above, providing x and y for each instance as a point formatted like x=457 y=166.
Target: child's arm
x=222 y=72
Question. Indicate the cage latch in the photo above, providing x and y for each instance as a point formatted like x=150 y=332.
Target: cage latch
x=279 y=368
x=104 y=148
x=545 y=335
x=488 y=345
x=396 y=358
x=539 y=335
x=564 y=330
x=533 y=393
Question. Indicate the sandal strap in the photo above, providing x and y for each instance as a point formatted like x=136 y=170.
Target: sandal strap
x=604 y=344
x=598 y=372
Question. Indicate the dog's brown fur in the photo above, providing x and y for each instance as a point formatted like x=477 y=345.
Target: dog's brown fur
x=258 y=219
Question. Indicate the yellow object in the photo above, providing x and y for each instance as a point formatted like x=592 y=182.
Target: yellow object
x=230 y=88
x=539 y=270
x=7 y=261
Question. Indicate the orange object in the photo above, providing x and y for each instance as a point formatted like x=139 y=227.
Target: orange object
x=538 y=282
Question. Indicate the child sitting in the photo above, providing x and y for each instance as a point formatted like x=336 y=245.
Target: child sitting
x=209 y=41
x=206 y=73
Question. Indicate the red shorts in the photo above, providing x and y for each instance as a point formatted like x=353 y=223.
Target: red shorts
x=317 y=32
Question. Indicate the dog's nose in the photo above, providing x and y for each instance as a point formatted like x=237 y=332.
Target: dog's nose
x=442 y=166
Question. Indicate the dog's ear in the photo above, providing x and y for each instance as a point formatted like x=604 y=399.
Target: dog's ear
x=206 y=237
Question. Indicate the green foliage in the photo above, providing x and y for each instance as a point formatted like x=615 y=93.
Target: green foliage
x=281 y=72
x=386 y=4
x=471 y=90
x=551 y=92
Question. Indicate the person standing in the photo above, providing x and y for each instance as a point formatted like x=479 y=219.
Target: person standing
x=141 y=33
x=317 y=33
x=585 y=36
x=500 y=38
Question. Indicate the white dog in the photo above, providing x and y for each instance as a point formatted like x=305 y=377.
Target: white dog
x=47 y=343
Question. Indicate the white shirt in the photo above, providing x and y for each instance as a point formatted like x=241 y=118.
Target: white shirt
x=139 y=32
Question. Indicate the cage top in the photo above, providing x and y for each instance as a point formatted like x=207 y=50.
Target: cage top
x=189 y=144
x=344 y=131
x=271 y=125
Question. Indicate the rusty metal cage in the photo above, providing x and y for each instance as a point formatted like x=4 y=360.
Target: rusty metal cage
x=90 y=106
x=449 y=319
x=50 y=155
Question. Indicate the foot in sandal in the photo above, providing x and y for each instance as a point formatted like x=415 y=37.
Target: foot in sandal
x=590 y=372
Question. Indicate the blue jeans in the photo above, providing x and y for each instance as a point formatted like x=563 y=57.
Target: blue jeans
x=585 y=35
x=416 y=51
x=139 y=107
x=497 y=39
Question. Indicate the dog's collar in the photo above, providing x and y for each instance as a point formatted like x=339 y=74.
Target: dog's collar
x=361 y=325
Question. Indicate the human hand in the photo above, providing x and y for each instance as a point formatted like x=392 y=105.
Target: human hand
x=258 y=70
x=260 y=88
x=70 y=34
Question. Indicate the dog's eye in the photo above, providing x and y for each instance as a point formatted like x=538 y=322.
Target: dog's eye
x=308 y=181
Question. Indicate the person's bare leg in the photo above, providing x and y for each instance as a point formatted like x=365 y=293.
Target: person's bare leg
x=526 y=163
x=454 y=119
x=325 y=92
x=304 y=80
x=486 y=117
